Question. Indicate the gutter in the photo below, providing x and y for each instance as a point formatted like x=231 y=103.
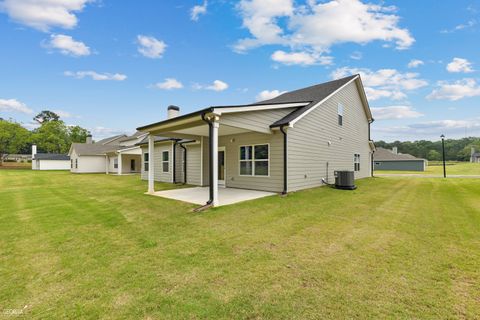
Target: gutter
x=285 y=160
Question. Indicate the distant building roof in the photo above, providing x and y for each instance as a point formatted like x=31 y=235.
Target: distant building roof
x=476 y=155
x=112 y=140
x=93 y=149
x=51 y=156
x=382 y=154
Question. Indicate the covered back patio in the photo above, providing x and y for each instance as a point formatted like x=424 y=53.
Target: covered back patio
x=241 y=155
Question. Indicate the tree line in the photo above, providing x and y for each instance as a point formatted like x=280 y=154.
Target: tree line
x=52 y=135
x=455 y=149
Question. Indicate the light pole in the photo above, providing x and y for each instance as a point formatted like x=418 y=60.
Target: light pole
x=443 y=155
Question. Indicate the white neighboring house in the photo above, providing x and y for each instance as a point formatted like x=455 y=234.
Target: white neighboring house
x=49 y=161
x=118 y=154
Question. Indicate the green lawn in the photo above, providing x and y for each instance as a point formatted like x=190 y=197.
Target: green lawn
x=436 y=168
x=95 y=246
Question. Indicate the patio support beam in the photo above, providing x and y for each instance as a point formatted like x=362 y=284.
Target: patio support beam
x=184 y=163
x=214 y=161
x=151 y=145
x=174 y=164
x=107 y=162
x=119 y=171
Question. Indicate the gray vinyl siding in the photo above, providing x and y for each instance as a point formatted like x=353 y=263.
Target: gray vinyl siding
x=259 y=121
x=308 y=141
x=159 y=175
x=193 y=164
x=411 y=165
x=233 y=179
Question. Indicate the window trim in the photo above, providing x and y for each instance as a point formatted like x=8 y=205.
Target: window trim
x=356 y=156
x=115 y=163
x=341 y=108
x=253 y=160
x=168 y=161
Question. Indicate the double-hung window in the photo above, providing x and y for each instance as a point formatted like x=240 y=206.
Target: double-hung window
x=255 y=160
x=165 y=161
x=115 y=163
x=356 y=162
x=76 y=163
x=145 y=161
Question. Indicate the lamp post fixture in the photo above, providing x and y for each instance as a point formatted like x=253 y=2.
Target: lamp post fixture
x=443 y=155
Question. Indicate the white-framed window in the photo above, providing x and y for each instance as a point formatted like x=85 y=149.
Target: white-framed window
x=165 y=161
x=71 y=163
x=76 y=163
x=356 y=162
x=340 y=114
x=115 y=163
x=255 y=160
x=145 y=161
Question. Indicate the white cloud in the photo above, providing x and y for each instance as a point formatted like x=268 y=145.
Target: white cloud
x=44 y=14
x=457 y=90
x=383 y=83
x=356 y=55
x=300 y=58
x=268 y=94
x=198 y=10
x=430 y=129
x=217 y=85
x=65 y=114
x=96 y=76
x=316 y=27
x=13 y=105
x=168 y=84
x=395 y=112
x=469 y=24
x=414 y=63
x=103 y=132
x=68 y=46
x=151 y=47
x=460 y=65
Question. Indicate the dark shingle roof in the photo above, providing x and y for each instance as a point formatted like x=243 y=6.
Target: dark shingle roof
x=313 y=94
x=382 y=154
x=51 y=156
x=476 y=155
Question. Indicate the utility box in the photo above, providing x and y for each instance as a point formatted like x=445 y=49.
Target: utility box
x=345 y=180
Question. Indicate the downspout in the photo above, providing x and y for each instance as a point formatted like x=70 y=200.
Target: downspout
x=285 y=160
x=184 y=162
x=174 y=176
x=210 y=163
x=370 y=139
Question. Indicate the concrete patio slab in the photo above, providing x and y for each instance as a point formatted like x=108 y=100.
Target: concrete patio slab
x=199 y=195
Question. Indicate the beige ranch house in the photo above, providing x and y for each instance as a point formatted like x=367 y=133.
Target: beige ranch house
x=292 y=142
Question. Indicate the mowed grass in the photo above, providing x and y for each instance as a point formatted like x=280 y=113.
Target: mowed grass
x=95 y=246
x=436 y=168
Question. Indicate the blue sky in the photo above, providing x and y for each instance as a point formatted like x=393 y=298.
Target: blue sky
x=111 y=66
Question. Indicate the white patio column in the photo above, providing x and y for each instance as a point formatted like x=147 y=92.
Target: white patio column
x=107 y=164
x=119 y=171
x=216 y=125
x=151 y=182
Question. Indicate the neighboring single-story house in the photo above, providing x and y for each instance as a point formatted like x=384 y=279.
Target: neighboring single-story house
x=49 y=161
x=118 y=154
x=475 y=156
x=384 y=159
x=17 y=157
x=292 y=142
